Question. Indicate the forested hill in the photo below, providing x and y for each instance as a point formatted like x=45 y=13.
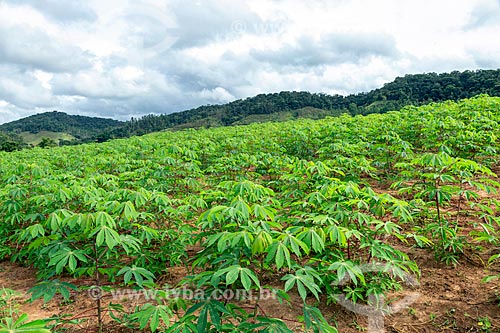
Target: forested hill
x=80 y=127
x=411 y=89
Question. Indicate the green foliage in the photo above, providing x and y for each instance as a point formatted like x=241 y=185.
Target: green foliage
x=10 y=142
x=140 y=275
x=78 y=126
x=47 y=142
x=48 y=289
x=13 y=321
x=298 y=202
x=152 y=315
x=408 y=90
x=21 y=325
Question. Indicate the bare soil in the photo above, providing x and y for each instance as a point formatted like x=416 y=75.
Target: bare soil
x=450 y=300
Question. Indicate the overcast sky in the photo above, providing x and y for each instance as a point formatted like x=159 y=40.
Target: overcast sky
x=118 y=58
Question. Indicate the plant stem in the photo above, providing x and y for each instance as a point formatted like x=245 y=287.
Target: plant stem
x=97 y=282
x=437 y=200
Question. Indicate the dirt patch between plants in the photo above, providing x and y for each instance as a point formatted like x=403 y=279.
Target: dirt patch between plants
x=451 y=300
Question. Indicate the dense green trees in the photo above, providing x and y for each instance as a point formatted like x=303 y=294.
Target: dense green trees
x=80 y=127
x=47 y=142
x=10 y=142
x=408 y=90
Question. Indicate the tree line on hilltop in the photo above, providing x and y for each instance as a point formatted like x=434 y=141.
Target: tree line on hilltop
x=416 y=89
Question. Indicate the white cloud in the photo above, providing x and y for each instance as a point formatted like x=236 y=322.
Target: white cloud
x=23 y=89
x=121 y=58
x=36 y=44
x=217 y=95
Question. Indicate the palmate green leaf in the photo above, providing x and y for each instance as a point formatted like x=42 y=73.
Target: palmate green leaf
x=469 y=195
x=185 y=325
x=103 y=219
x=67 y=257
x=315 y=321
x=22 y=326
x=202 y=320
x=439 y=194
x=311 y=272
x=33 y=231
x=261 y=242
x=140 y=275
x=214 y=214
x=246 y=276
x=152 y=314
x=445 y=178
x=314 y=238
x=230 y=240
x=400 y=210
x=211 y=306
x=237 y=237
x=63 y=194
x=104 y=234
x=140 y=198
x=81 y=221
x=48 y=289
x=18 y=193
x=263 y=212
x=483 y=185
x=54 y=221
x=434 y=160
x=146 y=233
x=41 y=242
x=295 y=244
x=389 y=227
x=303 y=283
x=130 y=244
x=323 y=220
x=232 y=274
x=350 y=268
x=220 y=238
x=240 y=208
x=265 y=325
x=280 y=253
x=420 y=240
x=128 y=211
x=337 y=234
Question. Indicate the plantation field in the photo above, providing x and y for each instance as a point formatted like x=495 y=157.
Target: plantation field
x=324 y=225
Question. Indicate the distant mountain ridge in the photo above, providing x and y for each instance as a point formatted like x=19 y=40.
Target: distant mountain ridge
x=416 y=89
x=81 y=127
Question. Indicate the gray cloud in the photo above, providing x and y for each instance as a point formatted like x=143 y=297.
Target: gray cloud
x=330 y=49
x=192 y=75
x=34 y=49
x=485 y=14
x=484 y=59
x=209 y=20
x=11 y=113
x=131 y=107
x=22 y=89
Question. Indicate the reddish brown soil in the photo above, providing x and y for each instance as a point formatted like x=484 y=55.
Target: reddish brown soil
x=451 y=300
